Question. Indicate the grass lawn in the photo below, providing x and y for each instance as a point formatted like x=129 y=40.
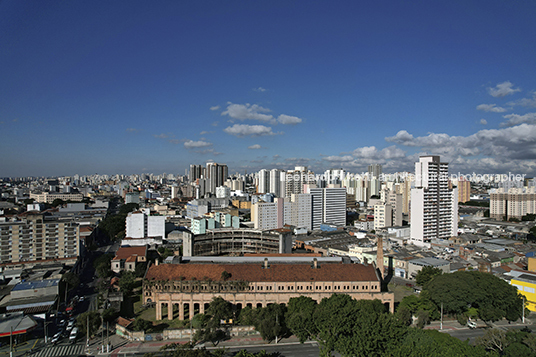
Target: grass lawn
x=149 y=314
x=400 y=291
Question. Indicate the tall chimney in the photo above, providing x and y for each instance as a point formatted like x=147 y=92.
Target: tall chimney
x=266 y=266
x=315 y=263
x=379 y=254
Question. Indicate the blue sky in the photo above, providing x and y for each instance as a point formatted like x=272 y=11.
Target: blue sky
x=144 y=86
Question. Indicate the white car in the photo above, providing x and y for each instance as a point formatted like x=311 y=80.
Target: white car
x=56 y=338
x=81 y=299
x=471 y=324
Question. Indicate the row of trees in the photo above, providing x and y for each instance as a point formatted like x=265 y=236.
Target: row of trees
x=463 y=294
x=114 y=225
x=339 y=323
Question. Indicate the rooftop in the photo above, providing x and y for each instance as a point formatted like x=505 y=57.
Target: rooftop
x=257 y=273
x=126 y=252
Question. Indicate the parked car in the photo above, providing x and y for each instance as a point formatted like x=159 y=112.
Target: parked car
x=471 y=324
x=82 y=298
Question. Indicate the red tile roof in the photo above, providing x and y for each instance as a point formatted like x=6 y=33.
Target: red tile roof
x=126 y=252
x=256 y=272
x=124 y=322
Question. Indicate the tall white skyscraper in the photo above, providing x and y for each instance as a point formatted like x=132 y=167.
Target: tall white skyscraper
x=263 y=181
x=434 y=207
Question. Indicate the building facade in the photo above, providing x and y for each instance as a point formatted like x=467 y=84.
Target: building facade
x=34 y=238
x=434 y=207
x=177 y=288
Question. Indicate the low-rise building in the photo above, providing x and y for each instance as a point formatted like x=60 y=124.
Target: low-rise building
x=126 y=258
x=175 y=288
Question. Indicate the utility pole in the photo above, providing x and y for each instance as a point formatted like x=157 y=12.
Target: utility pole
x=87 y=332
x=523 y=311
x=107 y=339
x=102 y=335
x=11 y=342
x=441 y=327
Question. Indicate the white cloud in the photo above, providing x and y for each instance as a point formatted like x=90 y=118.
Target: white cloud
x=260 y=89
x=370 y=152
x=249 y=130
x=131 y=130
x=513 y=143
x=525 y=102
x=345 y=158
x=216 y=107
x=190 y=144
x=483 y=122
x=490 y=108
x=248 y=112
x=204 y=132
x=503 y=89
x=516 y=119
x=162 y=136
x=288 y=120
x=254 y=147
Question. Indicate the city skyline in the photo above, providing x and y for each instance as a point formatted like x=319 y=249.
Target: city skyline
x=133 y=87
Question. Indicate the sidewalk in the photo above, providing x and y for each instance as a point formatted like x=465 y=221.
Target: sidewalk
x=453 y=325
x=146 y=347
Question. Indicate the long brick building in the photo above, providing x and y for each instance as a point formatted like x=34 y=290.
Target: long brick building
x=181 y=290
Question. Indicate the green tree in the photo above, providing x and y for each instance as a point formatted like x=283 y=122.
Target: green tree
x=299 y=317
x=58 y=202
x=127 y=282
x=404 y=315
x=247 y=316
x=423 y=318
x=426 y=274
x=109 y=315
x=94 y=323
x=494 y=339
x=71 y=279
x=493 y=297
x=211 y=329
x=270 y=321
x=141 y=325
x=102 y=265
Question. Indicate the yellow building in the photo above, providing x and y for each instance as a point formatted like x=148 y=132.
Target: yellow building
x=526 y=286
x=532 y=264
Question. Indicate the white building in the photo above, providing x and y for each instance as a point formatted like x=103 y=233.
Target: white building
x=268 y=215
x=223 y=192
x=142 y=225
x=383 y=216
x=298 y=211
x=329 y=206
x=263 y=181
x=512 y=203
x=434 y=207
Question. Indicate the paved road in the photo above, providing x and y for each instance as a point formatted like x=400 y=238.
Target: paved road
x=285 y=350
x=62 y=350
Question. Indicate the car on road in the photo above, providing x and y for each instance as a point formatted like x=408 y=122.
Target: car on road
x=82 y=298
x=56 y=338
x=70 y=325
x=72 y=336
x=471 y=324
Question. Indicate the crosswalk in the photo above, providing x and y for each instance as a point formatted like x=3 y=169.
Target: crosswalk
x=62 y=350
